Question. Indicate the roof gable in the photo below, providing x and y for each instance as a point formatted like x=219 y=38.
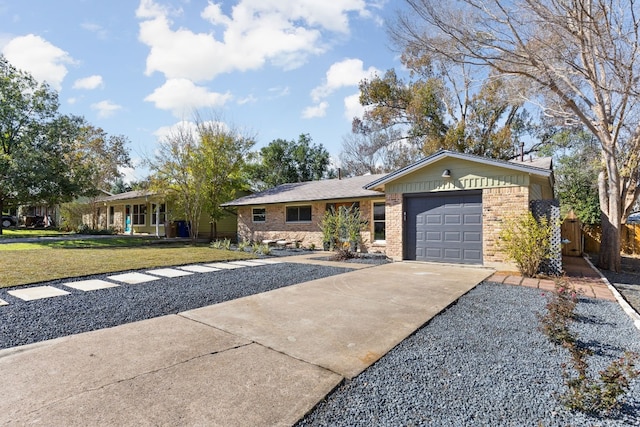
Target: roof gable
x=539 y=167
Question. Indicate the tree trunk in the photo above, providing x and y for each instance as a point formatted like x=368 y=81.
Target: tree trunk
x=611 y=216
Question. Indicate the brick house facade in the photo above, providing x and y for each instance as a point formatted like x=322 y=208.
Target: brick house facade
x=448 y=207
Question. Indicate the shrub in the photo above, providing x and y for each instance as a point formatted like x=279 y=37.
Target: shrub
x=341 y=228
x=527 y=242
x=585 y=393
x=221 y=244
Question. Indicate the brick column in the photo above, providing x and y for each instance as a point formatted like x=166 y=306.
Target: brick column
x=394 y=211
x=498 y=205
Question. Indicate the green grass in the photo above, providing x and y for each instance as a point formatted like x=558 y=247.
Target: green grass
x=13 y=233
x=26 y=263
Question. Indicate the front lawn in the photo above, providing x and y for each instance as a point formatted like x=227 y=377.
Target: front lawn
x=31 y=263
x=14 y=233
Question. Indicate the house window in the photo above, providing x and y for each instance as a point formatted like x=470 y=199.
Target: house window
x=298 y=213
x=378 y=221
x=163 y=213
x=112 y=212
x=139 y=214
x=259 y=214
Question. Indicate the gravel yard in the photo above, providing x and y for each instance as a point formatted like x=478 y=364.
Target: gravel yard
x=483 y=362
x=480 y=362
x=24 y=322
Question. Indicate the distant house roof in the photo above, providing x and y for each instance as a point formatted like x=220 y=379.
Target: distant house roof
x=328 y=189
x=541 y=166
x=127 y=196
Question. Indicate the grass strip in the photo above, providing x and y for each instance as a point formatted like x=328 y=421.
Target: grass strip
x=25 y=266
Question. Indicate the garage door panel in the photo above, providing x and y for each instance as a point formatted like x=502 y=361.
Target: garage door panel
x=472 y=236
x=433 y=236
x=445 y=228
x=454 y=219
x=472 y=218
x=452 y=236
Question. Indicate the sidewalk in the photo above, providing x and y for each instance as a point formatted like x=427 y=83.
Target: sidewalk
x=266 y=359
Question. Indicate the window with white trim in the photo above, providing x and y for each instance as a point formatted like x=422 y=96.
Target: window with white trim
x=139 y=214
x=299 y=213
x=379 y=221
x=162 y=212
x=259 y=214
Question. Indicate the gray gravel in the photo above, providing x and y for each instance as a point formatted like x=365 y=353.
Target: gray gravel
x=483 y=362
x=25 y=322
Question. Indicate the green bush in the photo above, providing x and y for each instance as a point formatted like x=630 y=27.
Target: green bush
x=341 y=228
x=527 y=242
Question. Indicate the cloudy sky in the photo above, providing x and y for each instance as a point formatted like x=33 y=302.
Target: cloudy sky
x=276 y=68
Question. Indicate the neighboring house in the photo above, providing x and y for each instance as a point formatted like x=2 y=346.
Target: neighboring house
x=144 y=212
x=448 y=207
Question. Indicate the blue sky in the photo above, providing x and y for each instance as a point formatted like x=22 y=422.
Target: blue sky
x=274 y=68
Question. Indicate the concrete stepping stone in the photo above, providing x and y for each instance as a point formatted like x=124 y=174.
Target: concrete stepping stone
x=169 y=272
x=133 y=278
x=91 y=285
x=3 y=302
x=198 y=268
x=244 y=263
x=224 y=265
x=37 y=292
x=263 y=261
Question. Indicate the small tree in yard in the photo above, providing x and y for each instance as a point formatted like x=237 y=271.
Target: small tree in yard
x=342 y=228
x=527 y=242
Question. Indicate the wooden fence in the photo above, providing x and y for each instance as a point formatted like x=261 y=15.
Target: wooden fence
x=588 y=239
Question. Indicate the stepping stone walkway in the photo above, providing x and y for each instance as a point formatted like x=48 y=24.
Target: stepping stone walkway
x=134 y=278
x=169 y=272
x=91 y=285
x=37 y=292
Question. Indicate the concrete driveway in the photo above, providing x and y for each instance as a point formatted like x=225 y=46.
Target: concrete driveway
x=265 y=359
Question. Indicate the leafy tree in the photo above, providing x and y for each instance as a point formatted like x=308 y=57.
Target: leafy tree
x=198 y=168
x=102 y=155
x=579 y=60
x=34 y=141
x=284 y=161
x=576 y=175
x=440 y=110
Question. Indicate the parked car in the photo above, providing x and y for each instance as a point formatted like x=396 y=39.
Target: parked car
x=9 y=221
x=633 y=218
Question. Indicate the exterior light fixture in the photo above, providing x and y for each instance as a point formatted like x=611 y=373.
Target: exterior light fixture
x=446 y=173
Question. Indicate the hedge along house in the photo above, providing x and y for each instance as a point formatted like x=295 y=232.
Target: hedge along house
x=144 y=212
x=293 y=212
x=448 y=207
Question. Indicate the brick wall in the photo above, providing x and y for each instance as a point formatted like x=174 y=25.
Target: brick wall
x=393 y=226
x=276 y=228
x=499 y=204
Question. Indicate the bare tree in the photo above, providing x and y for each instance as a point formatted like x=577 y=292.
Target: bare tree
x=580 y=59
x=378 y=151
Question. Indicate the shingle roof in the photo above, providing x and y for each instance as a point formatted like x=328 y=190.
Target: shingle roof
x=328 y=189
x=136 y=194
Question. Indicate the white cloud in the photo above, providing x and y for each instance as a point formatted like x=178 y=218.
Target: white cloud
x=105 y=108
x=99 y=31
x=352 y=107
x=89 y=83
x=282 y=33
x=319 y=110
x=72 y=101
x=43 y=60
x=250 y=99
x=182 y=96
x=346 y=73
